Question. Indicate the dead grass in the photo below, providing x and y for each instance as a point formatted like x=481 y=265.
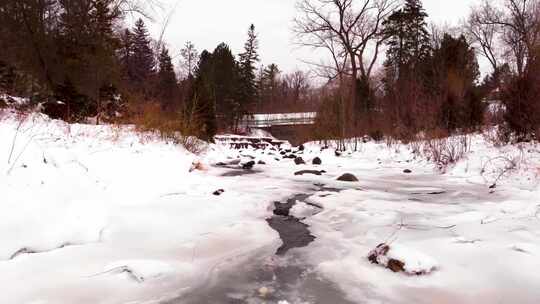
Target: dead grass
x=181 y=127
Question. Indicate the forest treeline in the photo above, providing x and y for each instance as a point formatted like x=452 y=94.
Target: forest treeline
x=78 y=59
x=390 y=73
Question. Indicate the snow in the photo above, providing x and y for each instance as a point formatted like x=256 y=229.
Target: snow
x=100 y=214
x=415 y=262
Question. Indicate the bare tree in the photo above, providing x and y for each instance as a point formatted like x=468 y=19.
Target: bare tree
x=484 y=35
x=189 y=59
x=516 y=25
x=352 y=33
x=298 y=83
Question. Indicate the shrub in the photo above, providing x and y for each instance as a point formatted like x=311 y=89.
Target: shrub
x=447 y=150
x=181 y=127
x=521 y=97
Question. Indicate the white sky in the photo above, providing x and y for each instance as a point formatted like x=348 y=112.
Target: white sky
x=209 y=22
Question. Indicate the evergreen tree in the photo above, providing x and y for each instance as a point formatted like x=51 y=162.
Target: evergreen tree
x=456 y=72
x=167 y=84
x=202 y=102
x=102 y=64
x=409 y=40
x=125 y=56
x=247 y=63
x=270 y=83
x=226 y=81
x=142 y=63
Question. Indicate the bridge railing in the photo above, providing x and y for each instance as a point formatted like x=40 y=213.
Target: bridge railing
x=283 y=119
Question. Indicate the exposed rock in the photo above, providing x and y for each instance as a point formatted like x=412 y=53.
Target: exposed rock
x=229 y=163
x=197 y=165
x=301 y=148
x=248 y=166
x=338 y=153
x=299 y=161
x=261 y=162
x=315 y=172
x=291 y=156
x=317 y=161
x=347 y=177
x=219 y=192
x=407 y=171
x=283 y=209
x=399 y=259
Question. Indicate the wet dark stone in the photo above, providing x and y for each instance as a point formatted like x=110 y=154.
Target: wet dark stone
x=301 y=148
x=299 y=161
x=283 y=209
x=219 y=192
x=407 y=171
x=317 y=161
x=248 y=166
x=347 y=177
x=239 y=172
x=314 y=172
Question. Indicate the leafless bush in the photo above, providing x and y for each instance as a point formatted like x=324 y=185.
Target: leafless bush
x=446 y=151
x=495 y=169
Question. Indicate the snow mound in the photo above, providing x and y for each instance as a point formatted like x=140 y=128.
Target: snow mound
x=302 y=210
x=399 y=258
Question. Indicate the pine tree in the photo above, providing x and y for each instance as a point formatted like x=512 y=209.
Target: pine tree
x=102 y=62
x=225 y=80
x=247 y=64
x=202 y=102
x=409 y=40
x=142 y=63
x=167 y=84
x=125 y=56
x=456 y=72
x=270 y=83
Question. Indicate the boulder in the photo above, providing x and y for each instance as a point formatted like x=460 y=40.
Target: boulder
x=317 y=161
x=400 y=259
x=261 y=162
x=407 y=171
x=248 y=166
x=314 y=172
x=347 y=177
x=219 y=192
x=301 y=148
x=337 y=153
x=299 y=161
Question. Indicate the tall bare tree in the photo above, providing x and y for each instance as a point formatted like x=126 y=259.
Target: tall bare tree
x=515 y=25
x=350 y=30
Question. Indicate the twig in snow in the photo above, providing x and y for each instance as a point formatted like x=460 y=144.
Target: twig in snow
x=120 y=269
x=15 y=139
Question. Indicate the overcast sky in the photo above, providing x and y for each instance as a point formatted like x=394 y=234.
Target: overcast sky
x=209 y=22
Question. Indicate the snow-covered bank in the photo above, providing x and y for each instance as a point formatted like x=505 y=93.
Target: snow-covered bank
x=99 y=214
